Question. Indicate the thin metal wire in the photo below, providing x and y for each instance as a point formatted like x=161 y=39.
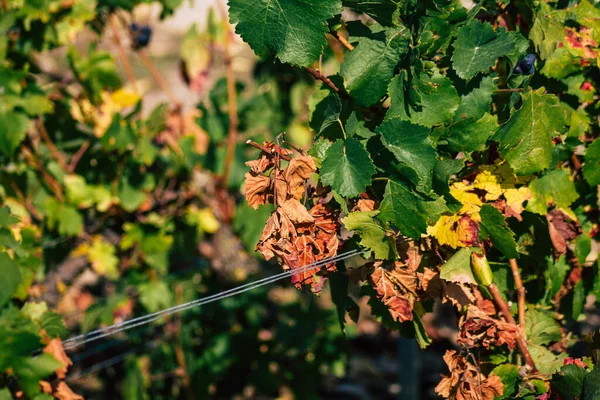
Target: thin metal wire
x=146 y=319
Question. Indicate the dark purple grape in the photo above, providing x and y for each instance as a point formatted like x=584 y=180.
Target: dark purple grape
x=526 y=66
x=141 y=35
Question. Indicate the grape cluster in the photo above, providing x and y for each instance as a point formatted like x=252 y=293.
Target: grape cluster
x=526 y=66
x=141 y=35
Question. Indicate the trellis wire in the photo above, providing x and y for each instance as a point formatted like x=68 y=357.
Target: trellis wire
x=148 y=318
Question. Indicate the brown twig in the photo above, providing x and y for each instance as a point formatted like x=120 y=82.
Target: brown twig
x=53 y=150
x=508 y=90
x=37 y=164
x=263 y=148
x=231 y=96
x=319 y=76
x=521 y=342
x=122 y=53
x=77 y=156
x=342 y=40
x=25 y=202
x=179 y=354
x=158 y=78
x=520 y=293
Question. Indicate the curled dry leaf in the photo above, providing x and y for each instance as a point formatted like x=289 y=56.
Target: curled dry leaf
x=297 y=236
x=364 y=205
x=64 y=392
x=466 y=382
x=477 y=329
x=396 y=287
x=562 y=229
x=257 y=190
x=55 y=348
x=296 y=212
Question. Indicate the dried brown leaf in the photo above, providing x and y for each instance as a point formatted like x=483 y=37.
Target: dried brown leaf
x=562 y=229
x=296 y=212
x=465 y=382
x=64 y=392
x=55 y=348
x=257 y=189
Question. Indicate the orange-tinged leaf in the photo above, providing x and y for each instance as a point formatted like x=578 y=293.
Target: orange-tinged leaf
x=296 y=212
x=396 y=289
x=55 y=348
x=64 y=392
x=257 y=189
x=455 y=231
x=299 y=170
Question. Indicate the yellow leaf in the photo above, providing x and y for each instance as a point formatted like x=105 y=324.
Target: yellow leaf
x=124 y=98
x=455 y=231
x=102 y=256
x=516 y=197
x=488 y=182
x=470 y=200
x=207 y=221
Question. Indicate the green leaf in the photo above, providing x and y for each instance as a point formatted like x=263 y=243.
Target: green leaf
x=509 y=375
x=408 y=211
x=541 y=328
x=249 y=223
x=292 y=30
x=578 y=299
x=30 y=370
x=548 y=30
x=102 y=255
x=476 y=103
x=119 y=136
x=469 y=135
x=428 y=99
x=555 y=188
x=458 y=267
x=155 y=295
x=545 y=360
x=568 y=382
x=526 y=139
x=13 y=129
x=5 y=394
x=338 y=284
x=129 y=197
x=477 y=47
x=411 y=146
x=325 y=109
x=494 y=224
x=383 y=11
x=9 y=279
x=591 y=385
x=70 y=221
x=591 y=166
x=53 y=324
x=372 y=233
x=347 y=168
x=368 y=69
x=555 y=274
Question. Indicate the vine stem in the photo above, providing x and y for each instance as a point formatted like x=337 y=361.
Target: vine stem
x=77 y=156
x=122 y=54
x=521 y=342
x=520 y=292
x=179 y=353
x=342 y=40
x=231 y=96
x=263 y=148
x=36 y=163
x=319 y=76
x=53 y=150
x=25 y=202
x=158 y=78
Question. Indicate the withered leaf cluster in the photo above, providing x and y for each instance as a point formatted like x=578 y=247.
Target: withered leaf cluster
x=466 y=382
x=478 y=328
x=399 y=284
x=296 y=235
